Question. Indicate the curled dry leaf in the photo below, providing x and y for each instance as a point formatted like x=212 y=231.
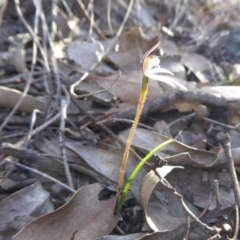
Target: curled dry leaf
x=84 y=217
x=22 y=207
x=163 y=209
x=176 y=152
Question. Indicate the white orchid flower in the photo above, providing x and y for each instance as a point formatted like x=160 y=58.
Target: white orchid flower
x=151 y=68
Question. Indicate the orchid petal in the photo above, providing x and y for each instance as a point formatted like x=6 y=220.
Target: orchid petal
x=159 y=70
x=168 y=80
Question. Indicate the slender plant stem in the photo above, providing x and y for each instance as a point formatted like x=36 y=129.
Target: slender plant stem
x=137 y=170
x=141 y=102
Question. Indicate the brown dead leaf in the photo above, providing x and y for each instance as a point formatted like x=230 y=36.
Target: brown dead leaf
x=9 y=97
x=21 y=208
x=163 y=209
x=83 y=217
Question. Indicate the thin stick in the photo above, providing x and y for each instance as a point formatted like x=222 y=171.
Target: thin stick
x=226 y=144
x=236 y=222
x=62 y=142
x=41 y=174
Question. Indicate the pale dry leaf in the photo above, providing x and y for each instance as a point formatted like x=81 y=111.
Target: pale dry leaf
x=107 y=164
x=169 y=48
x=234 y=76
x=85 y=54
x=129 y=48
x=104 y=162
x=197 y=64
x=90 y=87
x=163 y=209
x=84 y=217
x=230 y=93
x=21 y=208
x=165 y=170
x=129 y=86
x=235 y=138
x=9 y=97
x=174 y=65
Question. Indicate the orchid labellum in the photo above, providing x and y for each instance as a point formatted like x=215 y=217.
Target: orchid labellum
x=151 y=70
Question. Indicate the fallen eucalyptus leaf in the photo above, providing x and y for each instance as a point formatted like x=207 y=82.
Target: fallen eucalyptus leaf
x=22 y=207
x=9 y=98
x=84 y=217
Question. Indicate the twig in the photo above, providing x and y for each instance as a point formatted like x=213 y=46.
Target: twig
x=62 y=143
x=191 y=214
x=91 y=9
x=2 y=10
x=41 y=174
x=70 y=13
x=179 y=13
x=28 y=76
x=207 y=206
x=98 y=30
x=33 y=34
x=126 y=121
x=236 y=223
x=54 y=16
x=221 y=124
x=85 y=75
x=225 y=141
x=216 y=190
x=109 y=16
x=166 y=100
x=188 y=228
x=97 y=92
